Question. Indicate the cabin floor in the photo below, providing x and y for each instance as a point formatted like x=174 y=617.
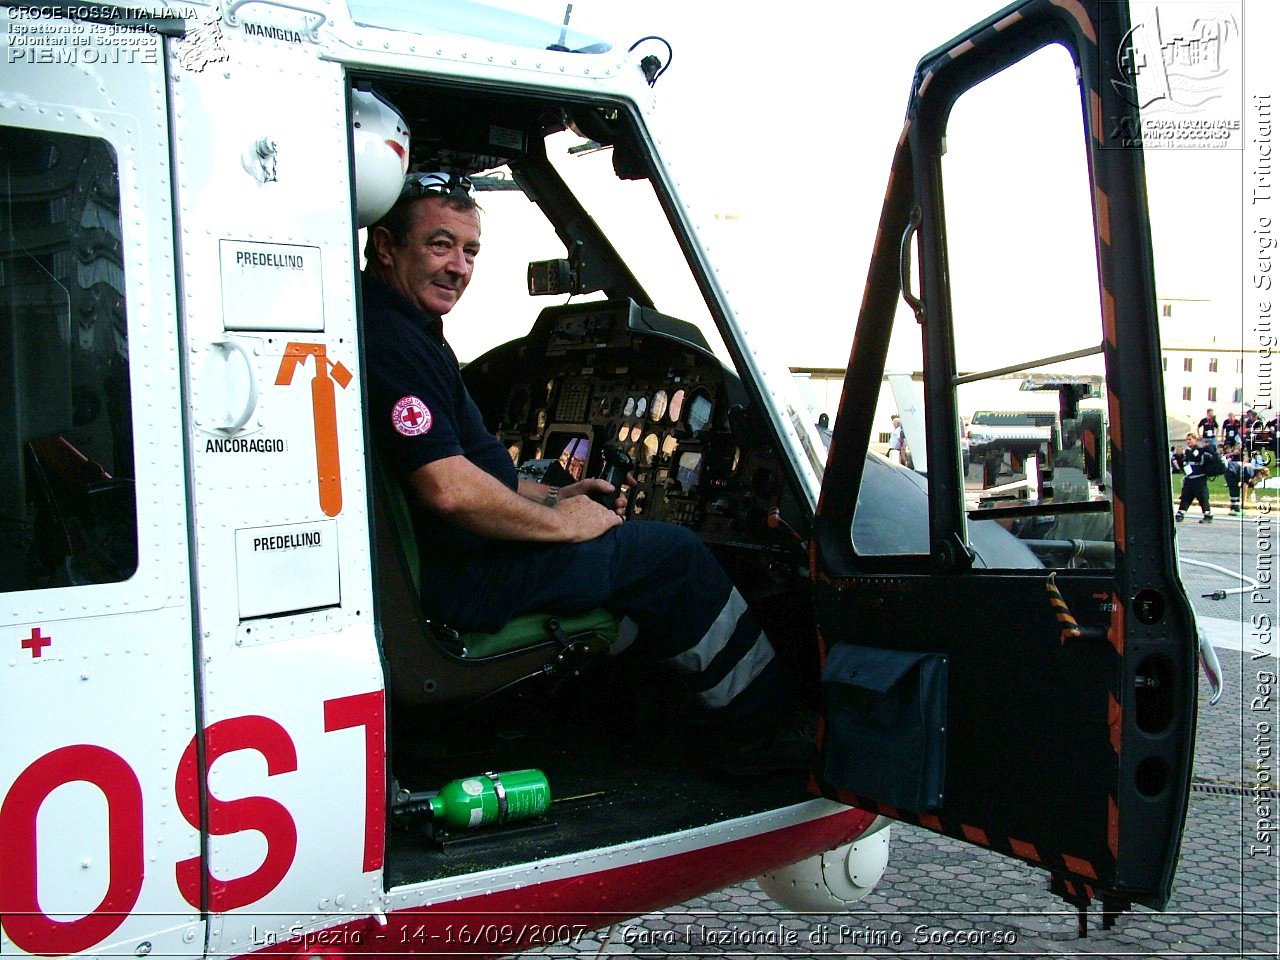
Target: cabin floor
x=623 y=764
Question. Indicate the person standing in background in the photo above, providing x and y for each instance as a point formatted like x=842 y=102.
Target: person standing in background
x=1193 y=462
x=897 y=441
x=1209 y=430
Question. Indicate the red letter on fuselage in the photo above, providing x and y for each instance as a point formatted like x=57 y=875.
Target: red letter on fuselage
x=262 y=814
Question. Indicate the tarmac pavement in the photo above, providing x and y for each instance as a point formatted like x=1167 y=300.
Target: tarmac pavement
x=940 y=897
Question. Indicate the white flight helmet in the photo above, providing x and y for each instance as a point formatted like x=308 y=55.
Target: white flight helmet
x=380 y=138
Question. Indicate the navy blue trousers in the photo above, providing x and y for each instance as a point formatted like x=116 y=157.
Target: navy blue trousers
x=1194 y=488
x=685 y=610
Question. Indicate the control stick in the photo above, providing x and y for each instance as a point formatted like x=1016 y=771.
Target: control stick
x=617 y=464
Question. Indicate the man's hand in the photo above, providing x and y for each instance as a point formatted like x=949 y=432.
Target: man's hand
x=462 y=493
x=585 y=488
x=583 y=519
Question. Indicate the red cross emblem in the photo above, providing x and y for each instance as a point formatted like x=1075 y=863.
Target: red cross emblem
x=36 y=643
x=410 y=417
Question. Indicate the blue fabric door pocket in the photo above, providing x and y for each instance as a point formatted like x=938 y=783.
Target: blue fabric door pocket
x=886 y=714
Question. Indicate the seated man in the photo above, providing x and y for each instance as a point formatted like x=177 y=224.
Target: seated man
x=493 y=546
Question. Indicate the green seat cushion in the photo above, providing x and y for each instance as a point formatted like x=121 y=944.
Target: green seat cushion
x=519 y=633
x=530 y=629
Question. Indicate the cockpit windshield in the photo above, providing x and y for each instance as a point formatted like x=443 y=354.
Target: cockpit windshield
x=628 y=213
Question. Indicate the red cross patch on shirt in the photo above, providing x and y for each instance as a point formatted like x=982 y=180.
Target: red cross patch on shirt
x=410 y=417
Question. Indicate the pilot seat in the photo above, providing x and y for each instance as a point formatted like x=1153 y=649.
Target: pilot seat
x=431 y=664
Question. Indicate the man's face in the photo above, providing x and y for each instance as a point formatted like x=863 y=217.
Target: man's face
x=433 y=266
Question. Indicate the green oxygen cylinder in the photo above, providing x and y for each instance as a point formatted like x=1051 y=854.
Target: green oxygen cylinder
x=492 y=798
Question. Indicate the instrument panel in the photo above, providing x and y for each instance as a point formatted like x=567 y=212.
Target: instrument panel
x=612 y=373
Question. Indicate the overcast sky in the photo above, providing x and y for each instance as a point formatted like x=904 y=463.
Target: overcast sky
x=806 y=100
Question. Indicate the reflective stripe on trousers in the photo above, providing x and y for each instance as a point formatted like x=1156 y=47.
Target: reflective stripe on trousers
x=698 y=658
x=655 y=576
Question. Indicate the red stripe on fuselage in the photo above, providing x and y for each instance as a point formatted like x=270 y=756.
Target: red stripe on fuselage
x=507 y=921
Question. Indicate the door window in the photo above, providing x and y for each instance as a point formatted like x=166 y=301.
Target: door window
x=1027 y=323
x=67 y=510
x=891 y=516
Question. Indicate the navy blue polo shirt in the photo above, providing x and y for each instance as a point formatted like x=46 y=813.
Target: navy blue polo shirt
x=421 y=412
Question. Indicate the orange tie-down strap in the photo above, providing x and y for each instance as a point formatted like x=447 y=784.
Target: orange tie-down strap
x=1069 y=629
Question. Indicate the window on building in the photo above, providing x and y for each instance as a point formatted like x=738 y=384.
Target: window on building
x=1237 y=395
x=1213 y=364
x=1164 y=364
x=1240 y=365
x=67 y=513
x=1166 y=310
x=1186 y=366
x=1213 y=394
x=1186 y=393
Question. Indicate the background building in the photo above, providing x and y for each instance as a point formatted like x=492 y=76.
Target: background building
x=1212 y=361
x=1209 y=361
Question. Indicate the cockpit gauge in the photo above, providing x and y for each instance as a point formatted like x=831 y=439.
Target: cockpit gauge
x=699 y=411
x=642 y=405
x=649 y=449
x=540 y=423
x=677 y=405
x=624 y=433
x=635 y=434
x=629 y=408
x=689 y=470
x=658 y=406
x=669 y=445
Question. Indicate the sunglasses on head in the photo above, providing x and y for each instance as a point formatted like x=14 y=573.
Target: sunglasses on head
x=439 y=184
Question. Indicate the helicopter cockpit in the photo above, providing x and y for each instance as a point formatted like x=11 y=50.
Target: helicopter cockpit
x=608 y=371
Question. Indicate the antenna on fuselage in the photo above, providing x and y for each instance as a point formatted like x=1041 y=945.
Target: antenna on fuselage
x=564 y=29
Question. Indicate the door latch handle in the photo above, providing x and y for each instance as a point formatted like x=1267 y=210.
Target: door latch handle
x=904 y=265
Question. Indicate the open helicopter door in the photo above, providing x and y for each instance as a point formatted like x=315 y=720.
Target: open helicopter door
x=1012 y=662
